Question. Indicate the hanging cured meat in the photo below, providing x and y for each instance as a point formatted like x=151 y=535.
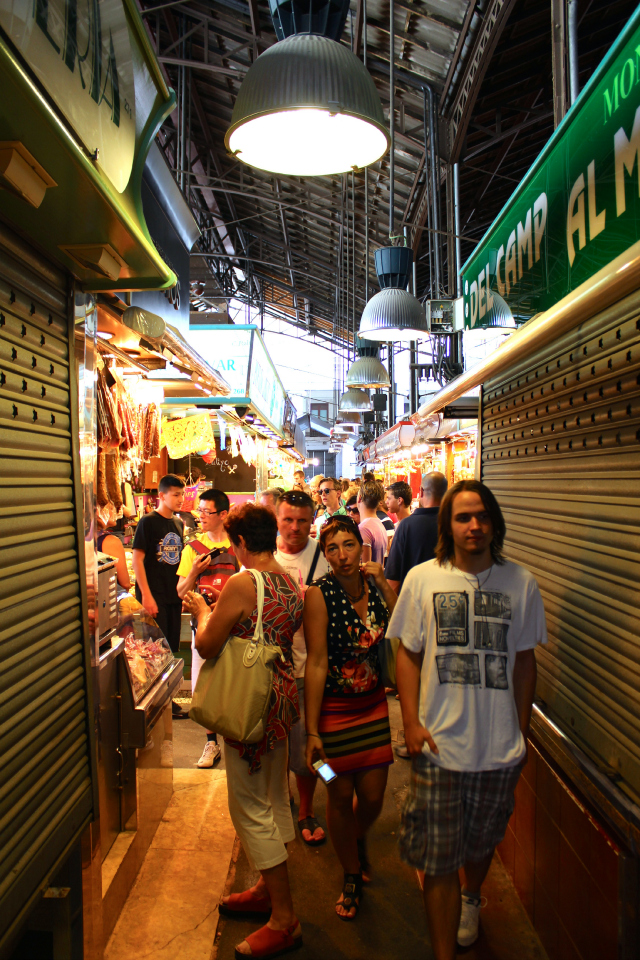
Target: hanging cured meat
x=102 y=492
x=108 y=420
x=112 y=474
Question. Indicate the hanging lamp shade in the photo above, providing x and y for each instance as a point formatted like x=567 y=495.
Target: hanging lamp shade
x=393 y=266
x=348 y=422
x=348 y=416
x=355 y=400
x=307 y=107
x=500 y=313
x=367 y=372
x=393 y=314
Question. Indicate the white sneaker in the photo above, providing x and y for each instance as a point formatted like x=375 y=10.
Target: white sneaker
x=469 y=920
x=210 y=754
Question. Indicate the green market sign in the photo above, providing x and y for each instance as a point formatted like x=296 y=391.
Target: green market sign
x=80 y=50
x=577 y=208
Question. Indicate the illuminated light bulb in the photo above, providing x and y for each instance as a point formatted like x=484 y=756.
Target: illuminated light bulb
x=307 y=143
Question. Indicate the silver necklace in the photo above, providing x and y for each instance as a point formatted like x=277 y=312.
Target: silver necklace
x=477 y=577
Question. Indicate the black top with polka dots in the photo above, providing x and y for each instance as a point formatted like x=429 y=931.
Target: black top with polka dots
x=352 y=645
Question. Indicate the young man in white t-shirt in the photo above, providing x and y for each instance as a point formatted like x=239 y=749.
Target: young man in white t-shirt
x=469 y=622
x=303 y=560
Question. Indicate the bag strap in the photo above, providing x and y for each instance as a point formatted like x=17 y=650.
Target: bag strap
x=199 y=547
x=258 y=634
x=314 y=564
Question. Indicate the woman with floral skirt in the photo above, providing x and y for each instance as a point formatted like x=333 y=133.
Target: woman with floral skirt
x=345 y=618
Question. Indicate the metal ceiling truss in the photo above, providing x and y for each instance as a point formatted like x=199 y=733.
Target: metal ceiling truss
x=296 y=247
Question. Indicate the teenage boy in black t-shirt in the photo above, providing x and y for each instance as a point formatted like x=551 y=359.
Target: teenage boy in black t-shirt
x=157 y=547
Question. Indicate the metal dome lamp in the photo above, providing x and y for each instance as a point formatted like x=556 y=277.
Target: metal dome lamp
x=367 y=371
x=351 y=417
x=354 y=399
x=308 y=106
x=348 y=422
x=393 y=314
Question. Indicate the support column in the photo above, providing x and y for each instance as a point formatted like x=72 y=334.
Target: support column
x=559 y=59
x=452 y=263
x=392 y=385
x=572 y=49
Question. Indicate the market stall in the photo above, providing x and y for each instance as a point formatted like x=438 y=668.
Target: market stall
x=71 y=228
x=405 y=452
x=251 y=446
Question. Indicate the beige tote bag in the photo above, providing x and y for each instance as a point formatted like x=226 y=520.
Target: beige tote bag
x=233 y=692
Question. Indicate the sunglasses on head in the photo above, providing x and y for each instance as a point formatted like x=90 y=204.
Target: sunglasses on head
x=295 y=496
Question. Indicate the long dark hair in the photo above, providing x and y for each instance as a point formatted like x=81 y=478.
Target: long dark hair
x=445 y=548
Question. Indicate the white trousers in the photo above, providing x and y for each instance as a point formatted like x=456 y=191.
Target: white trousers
x=259 y=805
x=196 y=663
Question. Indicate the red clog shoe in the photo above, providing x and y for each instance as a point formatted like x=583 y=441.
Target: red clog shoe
x=245 y=906
x=266 y=943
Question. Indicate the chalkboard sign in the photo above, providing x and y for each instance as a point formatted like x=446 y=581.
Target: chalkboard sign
x=232 y=475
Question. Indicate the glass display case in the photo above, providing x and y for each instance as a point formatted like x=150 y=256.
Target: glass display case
x=146 y=651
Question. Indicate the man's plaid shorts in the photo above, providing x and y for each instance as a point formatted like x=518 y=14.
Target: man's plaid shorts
x=452 y=817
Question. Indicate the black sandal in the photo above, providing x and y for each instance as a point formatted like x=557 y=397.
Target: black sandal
x=351 y=893
x=311 y=824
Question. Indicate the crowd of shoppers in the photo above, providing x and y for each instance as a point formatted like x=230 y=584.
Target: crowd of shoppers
x=468 y=622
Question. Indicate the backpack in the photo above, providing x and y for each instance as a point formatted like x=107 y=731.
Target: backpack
x=223 y=563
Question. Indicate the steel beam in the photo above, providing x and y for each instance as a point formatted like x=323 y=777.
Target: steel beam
x=559 y=59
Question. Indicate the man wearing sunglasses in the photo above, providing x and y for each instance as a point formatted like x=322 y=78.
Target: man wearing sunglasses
x=330 y=490
x=351 y=506
x=199 y=570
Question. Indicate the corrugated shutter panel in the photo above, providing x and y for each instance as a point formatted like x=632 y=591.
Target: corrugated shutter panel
x=561 y=451
x=45 y=785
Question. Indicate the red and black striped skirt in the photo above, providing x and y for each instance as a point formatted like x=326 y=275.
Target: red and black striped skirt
x=355 y=732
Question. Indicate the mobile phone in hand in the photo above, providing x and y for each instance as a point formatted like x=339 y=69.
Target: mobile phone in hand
x=323 y=770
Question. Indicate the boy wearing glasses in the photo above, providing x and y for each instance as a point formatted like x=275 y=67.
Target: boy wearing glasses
x=330 y=490
x=199 y=570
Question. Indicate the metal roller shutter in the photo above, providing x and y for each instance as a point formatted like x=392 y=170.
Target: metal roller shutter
x=46 y=783
x=561 y=451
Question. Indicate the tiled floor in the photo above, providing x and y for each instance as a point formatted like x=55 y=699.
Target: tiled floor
x=172 y=909
x=171 y=913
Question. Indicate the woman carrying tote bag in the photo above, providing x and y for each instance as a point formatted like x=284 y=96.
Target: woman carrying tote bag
x=257 y=772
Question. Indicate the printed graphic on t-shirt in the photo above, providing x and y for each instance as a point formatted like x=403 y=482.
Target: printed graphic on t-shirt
x=461 y=668
x=496 y=605
x=452 y=619
x=490 y=636
x=169 y=549
x=495 y=669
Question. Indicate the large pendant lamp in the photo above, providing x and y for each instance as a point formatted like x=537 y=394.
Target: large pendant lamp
x=367 y=371
x=357 y=400
x=348 y=421
x=393 y=314
x=307 y=107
